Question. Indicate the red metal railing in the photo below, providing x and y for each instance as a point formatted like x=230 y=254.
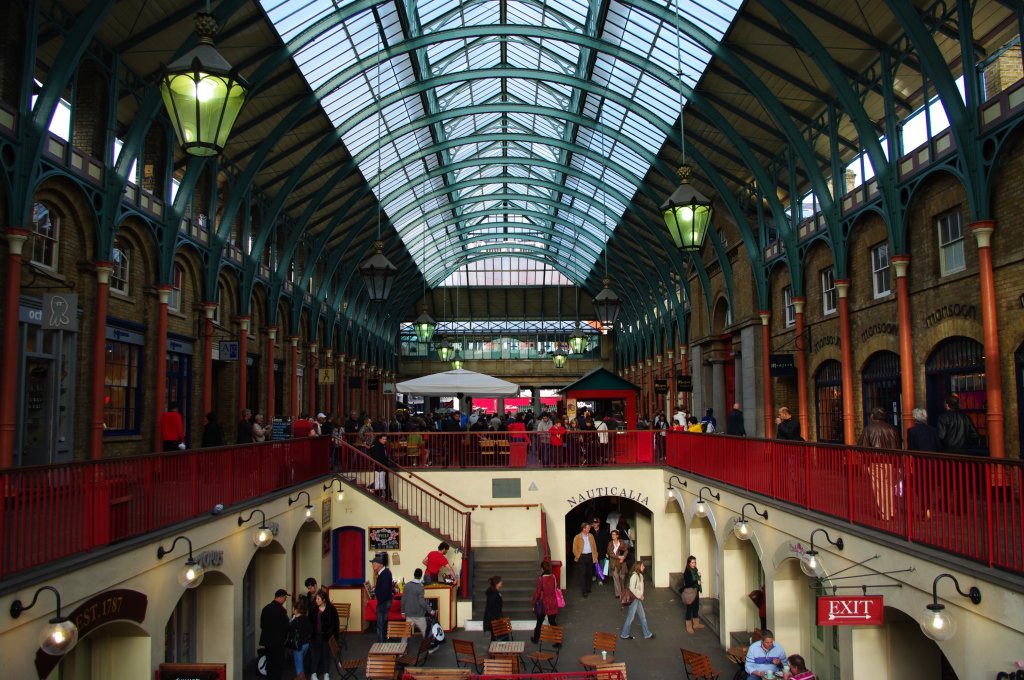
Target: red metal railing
x=55 y=511
x=522 y=449
x=599 y=674
x=967 y=506
x=415 y=501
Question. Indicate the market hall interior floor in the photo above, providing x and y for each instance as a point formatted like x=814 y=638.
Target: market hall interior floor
x=657 y=659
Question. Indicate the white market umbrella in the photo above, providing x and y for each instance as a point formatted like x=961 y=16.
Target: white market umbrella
x=450 y=383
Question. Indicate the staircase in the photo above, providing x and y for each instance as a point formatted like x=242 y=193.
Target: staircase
x=518 y=568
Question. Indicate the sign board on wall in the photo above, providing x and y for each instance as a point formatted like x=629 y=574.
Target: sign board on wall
x=850 y=610
x=781 y=365
x=192 y=671
x=661 y=386
x=685 y=383
x=60 y=311
x=325 y=376
x=228 y=350
x=384 y=538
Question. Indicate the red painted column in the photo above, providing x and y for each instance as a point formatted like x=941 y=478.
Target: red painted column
x=673 y=396
x=99 y=356
x=208 y=309
x=684 y=370
x=9 y=367
x=364 y=397
x=989 y=323
x=900 y=264
x=160 y=352
x=243 y=364
x=846 y=351
x=311 y=381
x=271 y=380
x=649 y=387
x=341 y=386
x=353 y=396
x=328 y=363
x=766 y=376
x=294 y=410
x=801 y=368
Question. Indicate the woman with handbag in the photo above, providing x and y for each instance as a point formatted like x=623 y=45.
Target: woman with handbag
x=545 y=599
x=691 y=595
x=299 y=634
x=617 y=553
x=634 y=593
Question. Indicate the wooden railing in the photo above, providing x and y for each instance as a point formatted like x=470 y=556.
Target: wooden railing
x=966 y=506
x=55 y=511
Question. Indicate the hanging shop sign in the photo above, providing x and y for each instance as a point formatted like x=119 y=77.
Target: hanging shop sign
x=325 y=376
x=661 y=386
x=685 y=382
x=60 y=312
x=192 y=671
x=228 y=350
x=372 y=384
x=850 y=610
x=781 y=365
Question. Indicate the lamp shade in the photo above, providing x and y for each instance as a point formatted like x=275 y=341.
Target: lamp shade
x=262 y=537
x=810 y=565
x=701 y=508
x=457 y=361
x=203 y=94
x=742 y=530
x=378 y=274
x=445 y=351
x=424 y=326
x=687 y=214
x=937 y=623
x=559 y=358
x=58 y=636
x=577 y=341
x=607 y=305
x=191 y=575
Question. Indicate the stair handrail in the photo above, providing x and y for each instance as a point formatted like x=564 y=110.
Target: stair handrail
x=458 y=530
x=442 y=493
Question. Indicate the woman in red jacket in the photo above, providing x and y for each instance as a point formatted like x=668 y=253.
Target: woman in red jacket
x=544 y=599
x=557 y=434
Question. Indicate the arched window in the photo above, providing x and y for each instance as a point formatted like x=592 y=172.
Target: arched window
x=220 y=303
x=957 y=365
x=46 y=236
x=120 y=277
x=881 y=387
x=828 y=391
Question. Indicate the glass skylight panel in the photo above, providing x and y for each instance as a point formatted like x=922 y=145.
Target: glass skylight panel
x=290 y=17
x=571 y=10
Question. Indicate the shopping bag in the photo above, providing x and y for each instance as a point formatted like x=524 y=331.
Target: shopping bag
x=604 y=566
x=600 y=572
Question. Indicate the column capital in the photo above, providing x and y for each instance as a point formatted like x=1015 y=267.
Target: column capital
x=682 y=350
x=329 y=352
x=103 y=272
x=340 y=358
x=243 y=324
x=843 y=287
x=900 y=263
x=294 y=339
x=765 y=316
x=983 y=232
x=313 y=348
x=668 y=353
x=798 y=304
x=16 y=238
x=163 y=294
x=209 y=308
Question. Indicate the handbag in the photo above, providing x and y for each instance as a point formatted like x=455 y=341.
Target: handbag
x=599 y=570
x=559 y=598
x=538 y=607
x=627 y=597
x=689 y=595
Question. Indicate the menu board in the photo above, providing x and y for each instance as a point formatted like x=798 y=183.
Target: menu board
x=280 y=429
x=384 y=538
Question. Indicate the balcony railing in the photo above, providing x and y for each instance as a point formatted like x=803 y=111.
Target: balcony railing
x=965 y=506
x=53 y=512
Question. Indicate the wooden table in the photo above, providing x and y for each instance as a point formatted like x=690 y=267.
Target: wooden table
x=594 y=661
x=389 y=648
x=507 y=648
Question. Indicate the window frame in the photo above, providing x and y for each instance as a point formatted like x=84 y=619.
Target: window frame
x=787 y=304
x=880 y=272
x=132 y=367
x=41 y=239
x=177 y=279
x=829 y=293
x=120 y=274
x=944 y=219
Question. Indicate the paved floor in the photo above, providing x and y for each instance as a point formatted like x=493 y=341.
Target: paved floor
x=657 y=659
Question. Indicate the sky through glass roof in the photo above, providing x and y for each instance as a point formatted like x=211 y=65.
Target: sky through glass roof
x=501 y=136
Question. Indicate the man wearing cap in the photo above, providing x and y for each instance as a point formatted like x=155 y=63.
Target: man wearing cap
x=383 y=591
x=318 y=425
x=274 y=633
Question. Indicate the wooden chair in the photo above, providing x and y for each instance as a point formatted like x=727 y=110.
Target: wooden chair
x=344 y=610
x=439 y=673
x=605 y=641
x=346 y=668
x=381 y=667
x=465 y=654
x=399 y=630
x=552 y=636
x=501 y=628
x=420 y=657
x=608 y=672
x=504 y=667
x=698 y=666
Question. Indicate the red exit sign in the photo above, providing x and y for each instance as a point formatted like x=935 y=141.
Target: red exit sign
x=850 y=611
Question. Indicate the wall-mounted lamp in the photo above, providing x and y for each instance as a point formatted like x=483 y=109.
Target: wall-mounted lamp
x=341 y=489
x=681 y=481
x=309 y=504
x=701 y=510
x=191 y=575
x=263 y=535
x=809 y=563
x=937 y=624
x=59 y=635
x=742 y=527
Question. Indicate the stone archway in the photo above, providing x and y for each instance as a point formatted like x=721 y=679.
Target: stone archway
x=896 y=650
x=117 y=649
x=612 y=510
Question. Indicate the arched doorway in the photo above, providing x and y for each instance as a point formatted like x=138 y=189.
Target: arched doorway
x=741 y=573
x=957 y=365
x=195 y=631
x=897 y=651
x=120 y=649
x=881 y=387
x=628 y=515
x=828 y=401
x=794 y=611
x=703 y=545
x=266 y=573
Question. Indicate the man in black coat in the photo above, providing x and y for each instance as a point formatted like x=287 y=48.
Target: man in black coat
x=956 y=431
x=734 y=425
x=274 y=633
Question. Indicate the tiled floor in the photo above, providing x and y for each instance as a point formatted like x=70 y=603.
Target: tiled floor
x=657 y=659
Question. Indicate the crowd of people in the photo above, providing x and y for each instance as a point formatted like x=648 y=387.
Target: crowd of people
x=307 y=634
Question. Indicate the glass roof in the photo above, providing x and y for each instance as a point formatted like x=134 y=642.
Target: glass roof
x=501 y=132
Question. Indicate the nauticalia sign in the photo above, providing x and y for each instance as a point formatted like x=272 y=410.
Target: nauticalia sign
x=600 y=491
x=850 y=611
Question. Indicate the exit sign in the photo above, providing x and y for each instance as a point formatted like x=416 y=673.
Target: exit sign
x=850 y=611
